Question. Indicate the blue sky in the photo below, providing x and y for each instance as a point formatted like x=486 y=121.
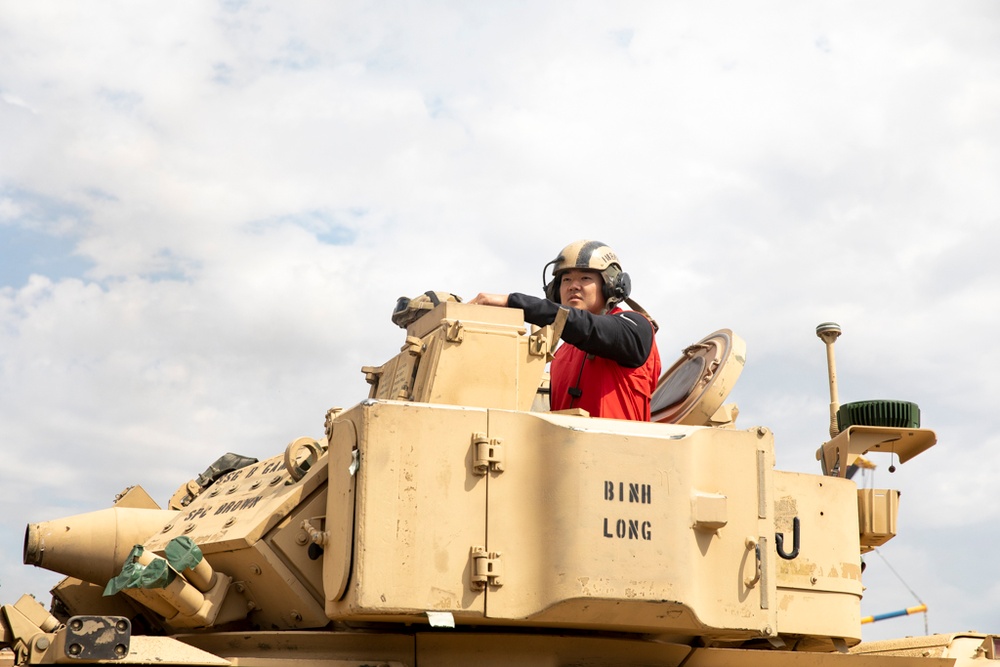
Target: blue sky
x=38 y=235
x=208 y=212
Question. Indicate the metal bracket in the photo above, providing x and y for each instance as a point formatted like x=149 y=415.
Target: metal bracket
x=842 y=451
x=487 y=568
x=93 y=638
x=543 y=342
x=413 y=345
x=538 y=342
x=372 y=374
x=454 y=331
x=487 y=454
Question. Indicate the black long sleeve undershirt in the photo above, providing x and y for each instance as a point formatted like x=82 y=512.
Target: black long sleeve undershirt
x=625 y=337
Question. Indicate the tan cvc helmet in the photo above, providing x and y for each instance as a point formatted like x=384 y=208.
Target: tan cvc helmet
x=593 y=256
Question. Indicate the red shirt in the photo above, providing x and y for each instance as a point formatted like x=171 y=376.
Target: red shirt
x=607 y=388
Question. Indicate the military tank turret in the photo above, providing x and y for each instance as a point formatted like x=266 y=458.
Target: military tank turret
x=449 y=518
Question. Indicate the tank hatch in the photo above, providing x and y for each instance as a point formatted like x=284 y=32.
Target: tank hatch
x=693 y=390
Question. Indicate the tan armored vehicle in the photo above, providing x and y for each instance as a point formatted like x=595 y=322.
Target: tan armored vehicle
x=449 y=519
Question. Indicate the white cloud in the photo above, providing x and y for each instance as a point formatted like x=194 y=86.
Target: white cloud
x=255 y=184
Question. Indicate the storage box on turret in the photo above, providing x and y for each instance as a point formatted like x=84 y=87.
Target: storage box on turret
x=464 y=354
x=512 y=518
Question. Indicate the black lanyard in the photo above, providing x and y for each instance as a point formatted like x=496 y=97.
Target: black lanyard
x=576 y=392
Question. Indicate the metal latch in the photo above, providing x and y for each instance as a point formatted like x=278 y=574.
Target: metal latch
x=487 y=568
x=487 y=454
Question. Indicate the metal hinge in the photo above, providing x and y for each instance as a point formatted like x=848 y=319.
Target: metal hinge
x=487 y=568
x=487 y=454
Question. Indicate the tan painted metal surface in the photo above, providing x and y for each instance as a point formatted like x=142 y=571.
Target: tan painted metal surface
x=441 y=521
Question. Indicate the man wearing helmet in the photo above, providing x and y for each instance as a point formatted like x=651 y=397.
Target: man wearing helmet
x=608 y=364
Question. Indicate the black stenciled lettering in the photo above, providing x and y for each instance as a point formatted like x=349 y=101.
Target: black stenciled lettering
x=197 y=514
x=631 y=529
x=637 y=492
x=271 y=467
x=250 y=503
x=237 y=505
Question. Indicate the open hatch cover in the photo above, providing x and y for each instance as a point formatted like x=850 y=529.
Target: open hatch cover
x=695 y=387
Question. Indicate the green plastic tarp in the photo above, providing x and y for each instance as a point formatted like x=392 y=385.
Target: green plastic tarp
x=136 y=575
x=182 y=553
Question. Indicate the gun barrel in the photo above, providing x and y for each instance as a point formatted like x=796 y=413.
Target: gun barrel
x=91 y=546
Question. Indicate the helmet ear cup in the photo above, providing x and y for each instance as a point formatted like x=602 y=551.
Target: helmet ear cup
x=552 y=290
x=618 y=288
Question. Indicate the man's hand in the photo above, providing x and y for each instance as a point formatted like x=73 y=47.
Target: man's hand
x=485 y=299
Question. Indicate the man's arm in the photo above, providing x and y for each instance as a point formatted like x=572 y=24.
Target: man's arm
x=625 y=337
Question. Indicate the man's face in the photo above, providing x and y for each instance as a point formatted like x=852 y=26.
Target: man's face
x=581 y=288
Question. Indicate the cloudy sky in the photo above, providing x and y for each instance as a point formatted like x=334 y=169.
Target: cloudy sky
x=208 y=210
